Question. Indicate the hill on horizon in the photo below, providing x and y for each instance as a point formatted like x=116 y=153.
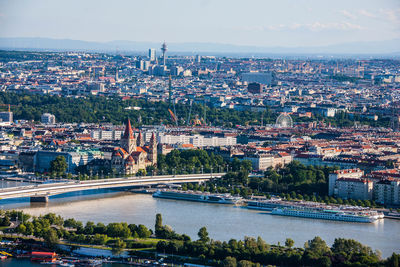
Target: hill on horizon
x=391 y=47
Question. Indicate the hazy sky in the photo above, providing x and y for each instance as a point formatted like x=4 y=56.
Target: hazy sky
x=244 y=22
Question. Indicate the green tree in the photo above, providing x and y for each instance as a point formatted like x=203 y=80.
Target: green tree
x=142 y=231
x=58 y=165
x=50 y=237
x=5 y=221
x=393 y=260
x=100 y=239
x=89 y=228
x=158 y=226
x=245 y=263
x=289 y=242
x=21 y=229
x=349 y=251
x=315 y=251
x=120 y=244
x=229 y=262
x=203 y=235
x=29 y=228
x=120 y=230
x=141 y=172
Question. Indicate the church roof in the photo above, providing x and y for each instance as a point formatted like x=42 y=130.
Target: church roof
x=128 y=134
x=130 y=159
x=135 y=154
x=140 y=149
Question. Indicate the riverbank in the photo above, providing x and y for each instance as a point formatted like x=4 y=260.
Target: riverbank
x=222 y=222
x=43 y=236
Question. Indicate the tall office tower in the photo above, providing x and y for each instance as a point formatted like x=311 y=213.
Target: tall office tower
x=164 y=50
x=152 y=54
x=198 y=59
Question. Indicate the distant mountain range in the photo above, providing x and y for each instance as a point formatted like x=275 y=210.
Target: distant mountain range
x=378 y=48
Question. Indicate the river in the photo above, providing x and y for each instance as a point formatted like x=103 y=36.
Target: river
x=222 y=221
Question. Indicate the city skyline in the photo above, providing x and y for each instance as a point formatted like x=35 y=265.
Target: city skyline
x=258 y=23
x=255 y=133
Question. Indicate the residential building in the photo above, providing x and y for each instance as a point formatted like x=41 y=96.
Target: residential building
x=387 y=192
x=48 y=118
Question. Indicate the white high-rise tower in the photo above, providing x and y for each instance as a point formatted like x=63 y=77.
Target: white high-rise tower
x=164 y=51
x=152 y=54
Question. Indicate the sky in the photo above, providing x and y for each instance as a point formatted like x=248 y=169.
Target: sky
x=285 y=23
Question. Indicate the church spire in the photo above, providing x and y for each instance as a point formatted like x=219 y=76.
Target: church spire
x=128 y=140
x=153 y=149
x=140 y=139
x=128 y=134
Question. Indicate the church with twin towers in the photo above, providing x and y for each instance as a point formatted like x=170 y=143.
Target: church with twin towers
x=132 y=154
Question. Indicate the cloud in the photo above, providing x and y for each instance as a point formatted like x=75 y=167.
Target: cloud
x=366 y=13
x=347 y=14
x=391 y=15
x=316 y=26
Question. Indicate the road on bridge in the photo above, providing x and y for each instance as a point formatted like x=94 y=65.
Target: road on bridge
x=71 y=186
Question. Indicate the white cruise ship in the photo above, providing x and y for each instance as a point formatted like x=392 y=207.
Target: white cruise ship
x=197 y=196
x=327 y=214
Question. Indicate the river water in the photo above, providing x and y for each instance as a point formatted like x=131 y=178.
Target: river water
x=223 y=222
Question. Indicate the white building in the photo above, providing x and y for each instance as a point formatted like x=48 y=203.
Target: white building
x=48 y=118
x=328 y=112
x=263 y=161
x=6 y=118
x=354 y=188
x=106 y=134
x=387 y=192
x=152 y=54
x=196 y=140
x=347 y=173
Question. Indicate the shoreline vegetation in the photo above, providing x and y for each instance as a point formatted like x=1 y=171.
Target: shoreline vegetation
x=51 y=230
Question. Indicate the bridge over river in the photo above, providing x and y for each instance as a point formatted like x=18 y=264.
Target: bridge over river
x=41 y=192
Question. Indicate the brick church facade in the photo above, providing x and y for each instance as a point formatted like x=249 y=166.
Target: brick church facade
x=133 y=154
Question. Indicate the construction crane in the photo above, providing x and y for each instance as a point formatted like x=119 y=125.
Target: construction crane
x=9 y=106
x=169 y=90
x=204 y=114
x=190 y=112
x=5 y=253
x=173 y=116
x=196 y=121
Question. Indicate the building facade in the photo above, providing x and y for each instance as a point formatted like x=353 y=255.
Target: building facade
x=387 y=192
x=6 y=118
x=354 y=188
x=133 y=155
x=48 y=118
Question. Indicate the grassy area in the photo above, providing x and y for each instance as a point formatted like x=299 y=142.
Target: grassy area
x=146 y=241
x=150 y=242
x=85 y=245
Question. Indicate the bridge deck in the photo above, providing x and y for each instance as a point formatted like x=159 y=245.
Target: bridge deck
x=64 y=187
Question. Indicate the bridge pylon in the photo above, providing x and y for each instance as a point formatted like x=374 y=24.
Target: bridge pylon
x=40 y=198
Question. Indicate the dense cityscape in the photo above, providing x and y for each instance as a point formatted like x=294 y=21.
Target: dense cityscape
x=305 y=130
x=200 y=133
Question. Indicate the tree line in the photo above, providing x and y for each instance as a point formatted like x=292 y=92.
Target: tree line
x=257 y=252
x=204 y=250
x=113 y=109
